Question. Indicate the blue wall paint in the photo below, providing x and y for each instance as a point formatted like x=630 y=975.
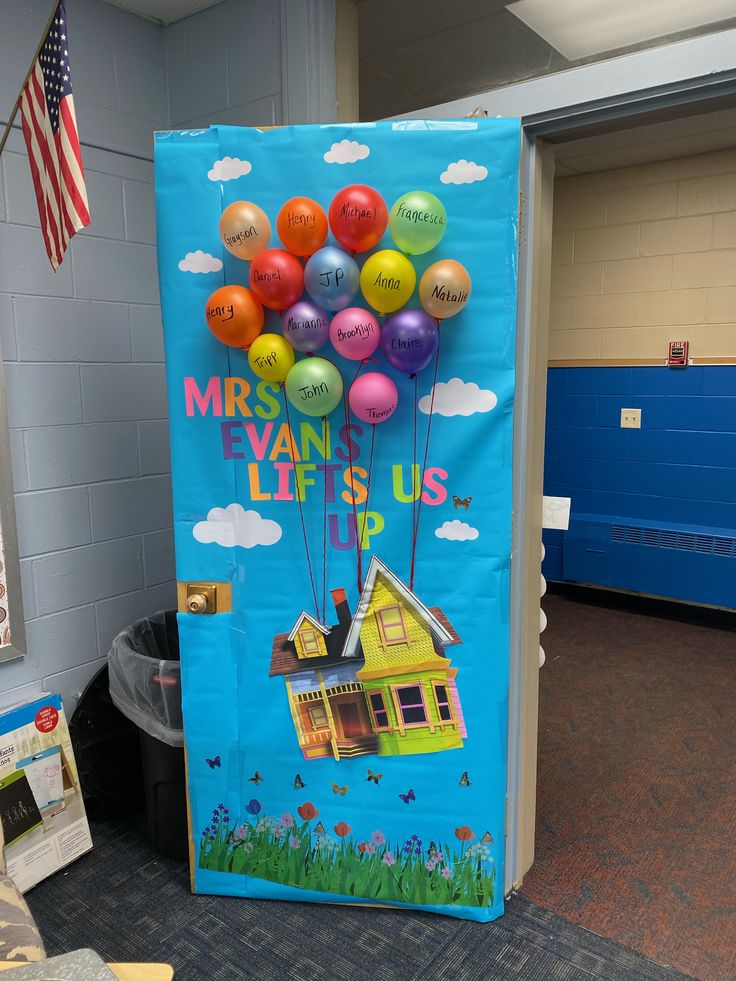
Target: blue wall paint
x=677 y=472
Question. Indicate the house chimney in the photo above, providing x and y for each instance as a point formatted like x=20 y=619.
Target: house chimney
x=340 y=600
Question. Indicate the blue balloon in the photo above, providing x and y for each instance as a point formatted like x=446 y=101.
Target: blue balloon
x=332 y=278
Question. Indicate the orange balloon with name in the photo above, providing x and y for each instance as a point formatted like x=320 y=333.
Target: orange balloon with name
x=234 y=316
x=302 y=226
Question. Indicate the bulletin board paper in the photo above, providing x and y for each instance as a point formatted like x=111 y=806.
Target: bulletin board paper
x=365 y=776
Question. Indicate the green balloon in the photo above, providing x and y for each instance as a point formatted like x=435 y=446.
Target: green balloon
x=314 y=386
x=417 y=222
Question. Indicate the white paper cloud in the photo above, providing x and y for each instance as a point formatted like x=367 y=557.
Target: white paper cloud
x=457 y=531
x=458 y=398
x=200 y=262
x=229 y=168
x=234 y=526
x=346 y=152
x=464 y=172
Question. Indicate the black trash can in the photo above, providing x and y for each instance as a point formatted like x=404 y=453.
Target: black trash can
x=145 y=685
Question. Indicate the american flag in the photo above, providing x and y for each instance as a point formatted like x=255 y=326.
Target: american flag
x=50 y=130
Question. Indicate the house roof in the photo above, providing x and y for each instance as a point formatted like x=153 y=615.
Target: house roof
x=343 y=637
x=315 y=623
x=285 y=660
x=438 y=624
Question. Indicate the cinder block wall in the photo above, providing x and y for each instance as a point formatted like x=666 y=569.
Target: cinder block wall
x=644 y=255
x=83 y=358
x=82 y=348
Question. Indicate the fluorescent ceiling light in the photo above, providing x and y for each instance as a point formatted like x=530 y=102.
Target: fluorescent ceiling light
x=579 y=28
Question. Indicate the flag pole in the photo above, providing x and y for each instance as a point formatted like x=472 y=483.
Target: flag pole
x=16 y=104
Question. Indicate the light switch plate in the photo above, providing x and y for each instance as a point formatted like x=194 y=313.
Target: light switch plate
x=630 y=418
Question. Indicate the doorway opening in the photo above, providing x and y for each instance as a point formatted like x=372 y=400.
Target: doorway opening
x=637 y=727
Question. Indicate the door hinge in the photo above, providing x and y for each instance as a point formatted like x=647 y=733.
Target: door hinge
x=204 y=597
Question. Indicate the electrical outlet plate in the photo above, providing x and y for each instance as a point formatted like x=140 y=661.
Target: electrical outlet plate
x=630 y=418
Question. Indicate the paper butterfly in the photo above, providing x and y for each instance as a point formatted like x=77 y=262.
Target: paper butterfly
x=487 y=839
x=319 y=828
x=339 y=790
x=299 y=783
x=375 y=777
x=461 y=502
x=409 y=795
x=464 y=780
x=256 y=778
x=213 y=763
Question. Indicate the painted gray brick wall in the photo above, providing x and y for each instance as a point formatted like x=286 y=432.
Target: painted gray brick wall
x=82 y=347
x=84 y=359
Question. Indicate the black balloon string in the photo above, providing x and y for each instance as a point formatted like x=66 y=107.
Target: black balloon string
x=368 y=487
x=358 y=558
x=324 y=525
x=299 y=502
x=414 y=466
x=415 y=534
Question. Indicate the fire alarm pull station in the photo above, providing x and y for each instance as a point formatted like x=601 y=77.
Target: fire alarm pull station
x=678 y=354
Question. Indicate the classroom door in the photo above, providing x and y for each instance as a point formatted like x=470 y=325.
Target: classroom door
x=343 y=523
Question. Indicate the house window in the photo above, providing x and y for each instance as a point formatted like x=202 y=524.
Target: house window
x=411 y=704
x=318 y=716
x=443 y=703
x=391 y=625
x=310 y=643
x=380 y=712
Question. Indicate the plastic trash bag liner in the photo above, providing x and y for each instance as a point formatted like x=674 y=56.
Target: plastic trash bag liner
x=145 y=676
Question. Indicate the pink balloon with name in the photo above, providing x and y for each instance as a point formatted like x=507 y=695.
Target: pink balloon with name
x=354 y=333
x=373 y=397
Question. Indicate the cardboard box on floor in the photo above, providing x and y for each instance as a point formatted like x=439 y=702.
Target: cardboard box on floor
x=43 y=824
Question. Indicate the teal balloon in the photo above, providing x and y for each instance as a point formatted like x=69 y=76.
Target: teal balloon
x=417 y=222
x=314 y=386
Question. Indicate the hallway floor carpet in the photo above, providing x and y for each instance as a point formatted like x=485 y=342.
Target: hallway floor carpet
x=636 y=797
x=131 y=904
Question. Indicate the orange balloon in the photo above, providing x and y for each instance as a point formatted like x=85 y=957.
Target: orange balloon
x=234 y=316
x=245 y=229
x=444 y=288
x=302 y=226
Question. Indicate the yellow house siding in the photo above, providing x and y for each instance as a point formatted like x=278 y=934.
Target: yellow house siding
x=300 y=644
x=418 y=650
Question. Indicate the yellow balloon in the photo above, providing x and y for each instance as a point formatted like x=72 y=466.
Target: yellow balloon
x=444 y=288
x=245 y=229
x=387 y=280
x=271 y=357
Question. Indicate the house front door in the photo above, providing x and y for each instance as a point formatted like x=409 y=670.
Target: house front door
x=350 y=719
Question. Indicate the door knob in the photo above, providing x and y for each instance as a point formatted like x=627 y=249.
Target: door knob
x=204 y=597
x=197 y=603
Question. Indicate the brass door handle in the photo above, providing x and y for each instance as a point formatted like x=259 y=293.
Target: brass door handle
x=197 y=603
x=204 y=597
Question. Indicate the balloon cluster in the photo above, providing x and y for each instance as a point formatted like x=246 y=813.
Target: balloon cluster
x=330 y=277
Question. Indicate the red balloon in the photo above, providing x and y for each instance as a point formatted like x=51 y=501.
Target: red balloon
x=358 y=217
x=276 y=278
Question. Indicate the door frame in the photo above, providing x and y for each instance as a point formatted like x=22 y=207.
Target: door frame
x=540 y=132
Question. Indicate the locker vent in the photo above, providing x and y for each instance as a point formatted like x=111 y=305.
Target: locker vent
x=669 y=538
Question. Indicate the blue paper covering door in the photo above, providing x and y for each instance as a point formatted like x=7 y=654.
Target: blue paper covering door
x=348 y=746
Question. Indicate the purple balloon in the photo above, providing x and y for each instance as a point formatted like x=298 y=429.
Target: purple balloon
x=409 y=339
x=305 y=326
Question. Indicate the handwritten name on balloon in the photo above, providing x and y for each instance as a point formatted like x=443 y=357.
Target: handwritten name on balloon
x=297 y=461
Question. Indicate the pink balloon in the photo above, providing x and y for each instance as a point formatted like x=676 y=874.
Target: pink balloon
x=354 y=333
x=373 y=397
